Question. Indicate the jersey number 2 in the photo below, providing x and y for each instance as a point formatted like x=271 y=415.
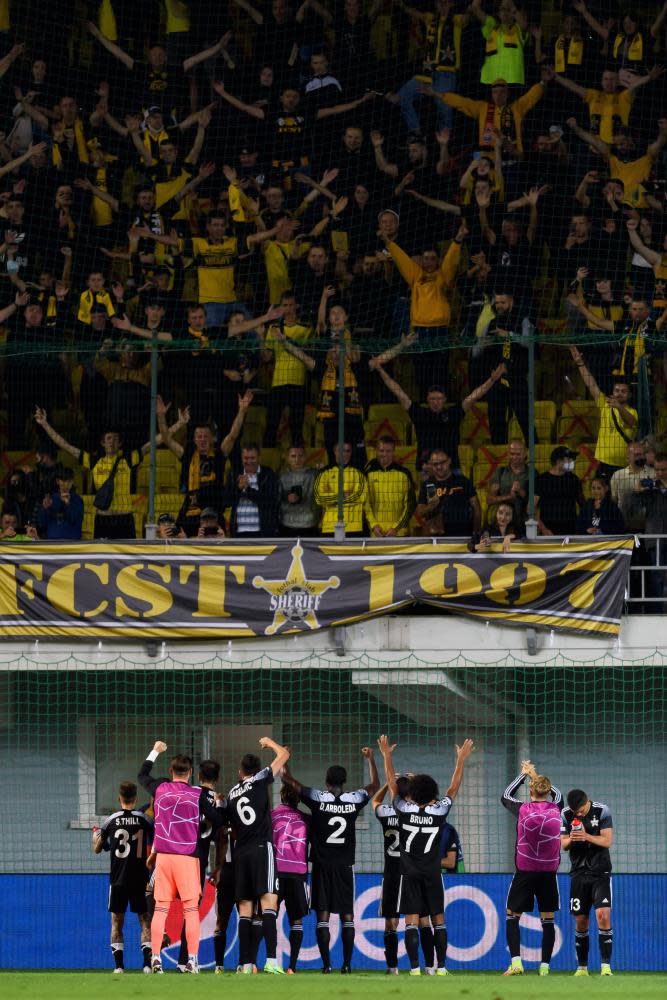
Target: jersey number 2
x=337 y=835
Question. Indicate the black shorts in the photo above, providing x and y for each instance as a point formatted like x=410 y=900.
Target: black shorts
x=526 y=887
x=333 y=889
x=589 y=890
x=293 y=892
x=391 y=882
x=255 y=872
x=122 y=895
x=422 y=894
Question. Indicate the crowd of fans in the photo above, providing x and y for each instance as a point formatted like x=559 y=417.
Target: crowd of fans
x=332 y=203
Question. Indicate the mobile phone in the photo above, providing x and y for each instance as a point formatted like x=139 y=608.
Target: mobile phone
x=211 y=529
x=430 y=491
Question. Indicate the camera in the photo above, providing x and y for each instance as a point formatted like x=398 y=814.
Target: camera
x=648 y=484
x=210 y=529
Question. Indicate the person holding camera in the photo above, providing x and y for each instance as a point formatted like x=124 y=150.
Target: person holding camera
x=60 y=515
x=254 y=497
x=298 y=517
x=209 y=526
x=448 y=503
x=167 y=527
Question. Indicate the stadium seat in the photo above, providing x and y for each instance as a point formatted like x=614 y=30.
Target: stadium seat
x=395 y=416
x=543 y=456
x=138 y=505
x=168 y=503
x=475 y=428
x=254 y=425
x=272 y=457
x=316 y=457
x=398 y=432
x=544 y=429
x=466 y=459
x=585 y=466
x=579 y=421
x=167 y=472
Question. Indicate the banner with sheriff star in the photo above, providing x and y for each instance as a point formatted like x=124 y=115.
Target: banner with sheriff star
x=236 y=589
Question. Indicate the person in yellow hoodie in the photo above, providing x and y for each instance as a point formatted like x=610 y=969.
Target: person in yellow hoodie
x=355 y=494
x=430 y=311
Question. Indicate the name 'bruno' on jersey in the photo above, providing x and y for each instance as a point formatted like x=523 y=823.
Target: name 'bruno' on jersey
x=250 y=810
x=387 y=817
x=333 y=838
x=127 y=833
x=420 y=828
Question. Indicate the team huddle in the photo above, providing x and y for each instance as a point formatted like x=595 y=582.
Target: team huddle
x=263 y=856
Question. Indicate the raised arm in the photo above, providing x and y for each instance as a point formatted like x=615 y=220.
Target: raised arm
x=600 y=322
x=282 y=754
x=123 y=323
x=381 y=162
x=374 y=782
x=654 y=149
x=7 y=61
x=407 y=340
x=481 y=390
x=249 y=109
x=657 y=24
x=378 y=798
x=317 y=7
x=86 y=185
x=394 y=388
x=205 y=54
x=14 y=164
x=635 y=239
x=165 y=433
x=593 y=140
x=589 y=380
x=442 y=206
x=294 y=350
x=600 y=29
x=387 y=749
x=290 y=780
x=462 y=753
x=110 y=46
x=228 y=442
x=570 y=85
x=341 y=109
x=252 y=11
x=40 y=418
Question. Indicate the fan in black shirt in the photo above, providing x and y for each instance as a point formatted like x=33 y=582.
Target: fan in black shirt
x=558 y=492
x=438 y=425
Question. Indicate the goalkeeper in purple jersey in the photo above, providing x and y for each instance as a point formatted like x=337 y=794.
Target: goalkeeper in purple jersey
x=537 y=857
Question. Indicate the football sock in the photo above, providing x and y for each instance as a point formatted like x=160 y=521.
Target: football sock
x=428 y=947
x=347 y=935
x=157 y=926
x=412 y=945
x=295 y=941
x=440 y=939
x=513 y=936
x=270 y=930
x=183 y=950
x=192 y=925
x=391 y=949
x=146 y=952
x=244 y=931
x=323 y=937
x=548 y=939
x=256 y=935
x=219 y=947
x=605 y=939
x=118 y=953
x=581 y=943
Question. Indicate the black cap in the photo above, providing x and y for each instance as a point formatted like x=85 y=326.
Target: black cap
x=562 y=452
x=209 y=512
x=62 y=472
x=154 y=110
x=165 y=519
x=98 y=307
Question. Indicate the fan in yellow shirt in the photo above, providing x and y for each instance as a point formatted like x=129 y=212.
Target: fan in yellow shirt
x=288 y=385
x=618 y=420
x=355 y=492
x=632 y=171
x=609 y=107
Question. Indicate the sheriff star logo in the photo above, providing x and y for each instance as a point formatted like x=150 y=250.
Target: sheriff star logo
x=294 y=600
x=595 y=821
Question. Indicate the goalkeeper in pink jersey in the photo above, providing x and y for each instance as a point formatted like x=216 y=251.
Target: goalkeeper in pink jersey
x=537 y=857
x=177 y=808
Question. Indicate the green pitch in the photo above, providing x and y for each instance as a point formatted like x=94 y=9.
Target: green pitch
x=314 y=986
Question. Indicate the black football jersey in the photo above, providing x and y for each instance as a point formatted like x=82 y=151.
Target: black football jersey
x=588 y=857
x=420 y=830
x=127 y=834
x=249 y=810
x=207 y=828
x=387 y=817
x=333 y=838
